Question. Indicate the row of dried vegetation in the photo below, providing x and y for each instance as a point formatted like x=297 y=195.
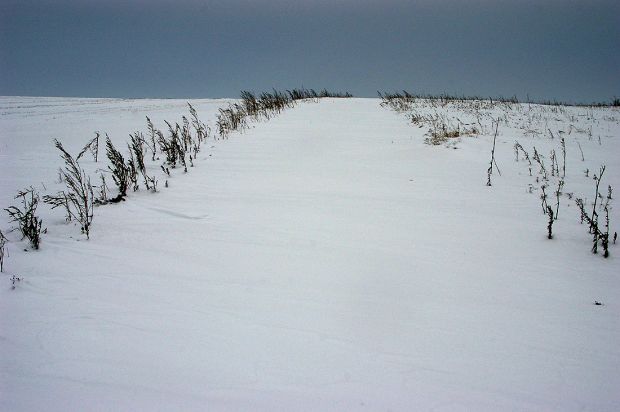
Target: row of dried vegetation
x=449 y=118
x=265 y=106
x=175 y=147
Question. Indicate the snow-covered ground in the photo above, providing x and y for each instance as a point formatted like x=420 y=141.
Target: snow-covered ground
x=326 y=259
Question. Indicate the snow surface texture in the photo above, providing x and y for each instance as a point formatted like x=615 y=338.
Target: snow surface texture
x=327 y=259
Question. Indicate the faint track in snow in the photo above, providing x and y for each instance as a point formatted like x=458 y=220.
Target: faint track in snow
x=173 y=213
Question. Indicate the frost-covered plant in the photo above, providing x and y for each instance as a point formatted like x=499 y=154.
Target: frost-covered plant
x=441 y=132
x=543 y=198
x=493 y=162
x=92 y=146
x=3 y=251
x=538 y=159
x=176 y=136
x=592 y=223
x=136 y=147
x=28 y=223
x=102 y=197
x=202 y=131
x=231 y=119
x=133 y=170
x=550 y=223
x=605 y=234
x=186 y=135
x=581 y=150
x=596 y=192
x=250 y=103
x=563 y=142
x=78 y=199
x=554 y=163
x=526 y=155
x=558 y=193
x=172 y=147
x=399 y=102
x=592 y=220
x=59 y=200
x=153 y=136
x=120 y=171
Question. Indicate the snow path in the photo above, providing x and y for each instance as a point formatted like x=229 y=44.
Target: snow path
x=324 y=260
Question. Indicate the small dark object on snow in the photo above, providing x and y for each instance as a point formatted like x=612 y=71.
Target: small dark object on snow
x=14 y=281
x=597 y=303
x=615 y=237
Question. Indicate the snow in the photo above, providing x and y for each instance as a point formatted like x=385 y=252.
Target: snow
x=326 y=259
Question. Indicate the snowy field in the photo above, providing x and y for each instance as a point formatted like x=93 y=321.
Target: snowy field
x=326 y=259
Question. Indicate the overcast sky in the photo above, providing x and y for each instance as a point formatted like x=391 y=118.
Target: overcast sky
x=549 y=49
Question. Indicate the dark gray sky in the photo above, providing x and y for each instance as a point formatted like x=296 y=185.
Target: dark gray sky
x=549 y=49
